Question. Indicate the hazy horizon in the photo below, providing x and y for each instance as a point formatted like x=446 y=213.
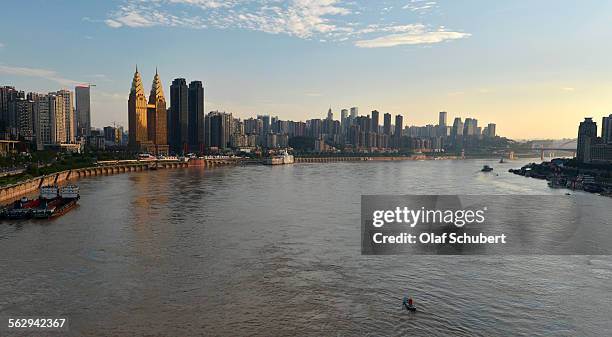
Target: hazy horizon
x=534 y=69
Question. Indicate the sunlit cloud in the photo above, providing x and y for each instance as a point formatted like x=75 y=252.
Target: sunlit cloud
x=416 y=35
x=569 y=89
x=320 y=20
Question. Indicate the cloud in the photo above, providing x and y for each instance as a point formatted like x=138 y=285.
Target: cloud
x=569 y=89
x=413 y=34
x=421 y=6
x=322 y=20
x=37 y=72
x=2 y=45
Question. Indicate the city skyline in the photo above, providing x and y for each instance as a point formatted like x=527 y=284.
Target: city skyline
x=392 y=56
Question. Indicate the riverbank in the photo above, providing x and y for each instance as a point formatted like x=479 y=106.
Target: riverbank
x=565 y=173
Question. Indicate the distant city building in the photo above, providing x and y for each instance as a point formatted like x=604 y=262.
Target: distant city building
x=375 y=119
x=443 y=118
x=399 y=125
x=354 y=112
x=491 y=132
x=218 y=129
x=457 y=130
x=265 y=119
x=344 y=120
x=387 y=124
x=470 y=126
x=587 y=133
x=442 y=123
x=606 y=129
x=83 y=111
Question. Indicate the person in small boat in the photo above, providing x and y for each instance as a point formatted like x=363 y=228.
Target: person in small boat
x=407 y=302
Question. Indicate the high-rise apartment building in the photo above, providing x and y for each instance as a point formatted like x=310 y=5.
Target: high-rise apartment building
x=70 y=125
x=58 y=118
x=83 y=111
x=387 y=124
x=606 y=129
x=375 y=119
x=587 y=133
x=399 y=126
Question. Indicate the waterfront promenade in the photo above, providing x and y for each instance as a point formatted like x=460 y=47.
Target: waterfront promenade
x=15 y=191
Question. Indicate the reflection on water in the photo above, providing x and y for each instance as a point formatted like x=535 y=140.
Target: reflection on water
x=276 y=251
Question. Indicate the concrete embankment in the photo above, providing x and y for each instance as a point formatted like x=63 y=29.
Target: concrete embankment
x=13 y=192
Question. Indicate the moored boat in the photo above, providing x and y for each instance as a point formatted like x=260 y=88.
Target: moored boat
x=52 y=201
x=283 y=158
x=67 y=200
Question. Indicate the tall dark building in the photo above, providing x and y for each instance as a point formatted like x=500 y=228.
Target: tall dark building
x=443 y=120
x=375 y=116
x=387 y=124
x=606 y=129
x=587 y=132
x=178 y=119
x=196 y=116
x=218 y=129
x=399 y=125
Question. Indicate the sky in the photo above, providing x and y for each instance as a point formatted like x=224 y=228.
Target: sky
x=535 y=68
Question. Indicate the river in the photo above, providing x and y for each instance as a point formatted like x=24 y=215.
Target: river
x=263 y=251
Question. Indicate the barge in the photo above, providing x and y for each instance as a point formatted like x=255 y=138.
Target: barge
x=52 y=202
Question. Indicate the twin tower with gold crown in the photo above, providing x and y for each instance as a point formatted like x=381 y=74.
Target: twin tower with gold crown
x=147 y=119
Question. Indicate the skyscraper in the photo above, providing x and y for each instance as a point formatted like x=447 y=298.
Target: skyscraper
x=457 y=127
x=375 y=116
x=137 y=114
x=606 y=129
x=178 y=121
x=58 y=119
x=443 y=118
x=196 y=116
x=23 y=110
x=354 y=112
x=7 y=94
x=218 y=129
x=266 y=123
x=491 y=132
x=157 y=119
x=67 y=97
x=470 y=126
x=399 y=125
x=587 y=132
x=330 y=114
x=42 y=124
x=83 y=111
x=387 y=124
x=344 y=120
